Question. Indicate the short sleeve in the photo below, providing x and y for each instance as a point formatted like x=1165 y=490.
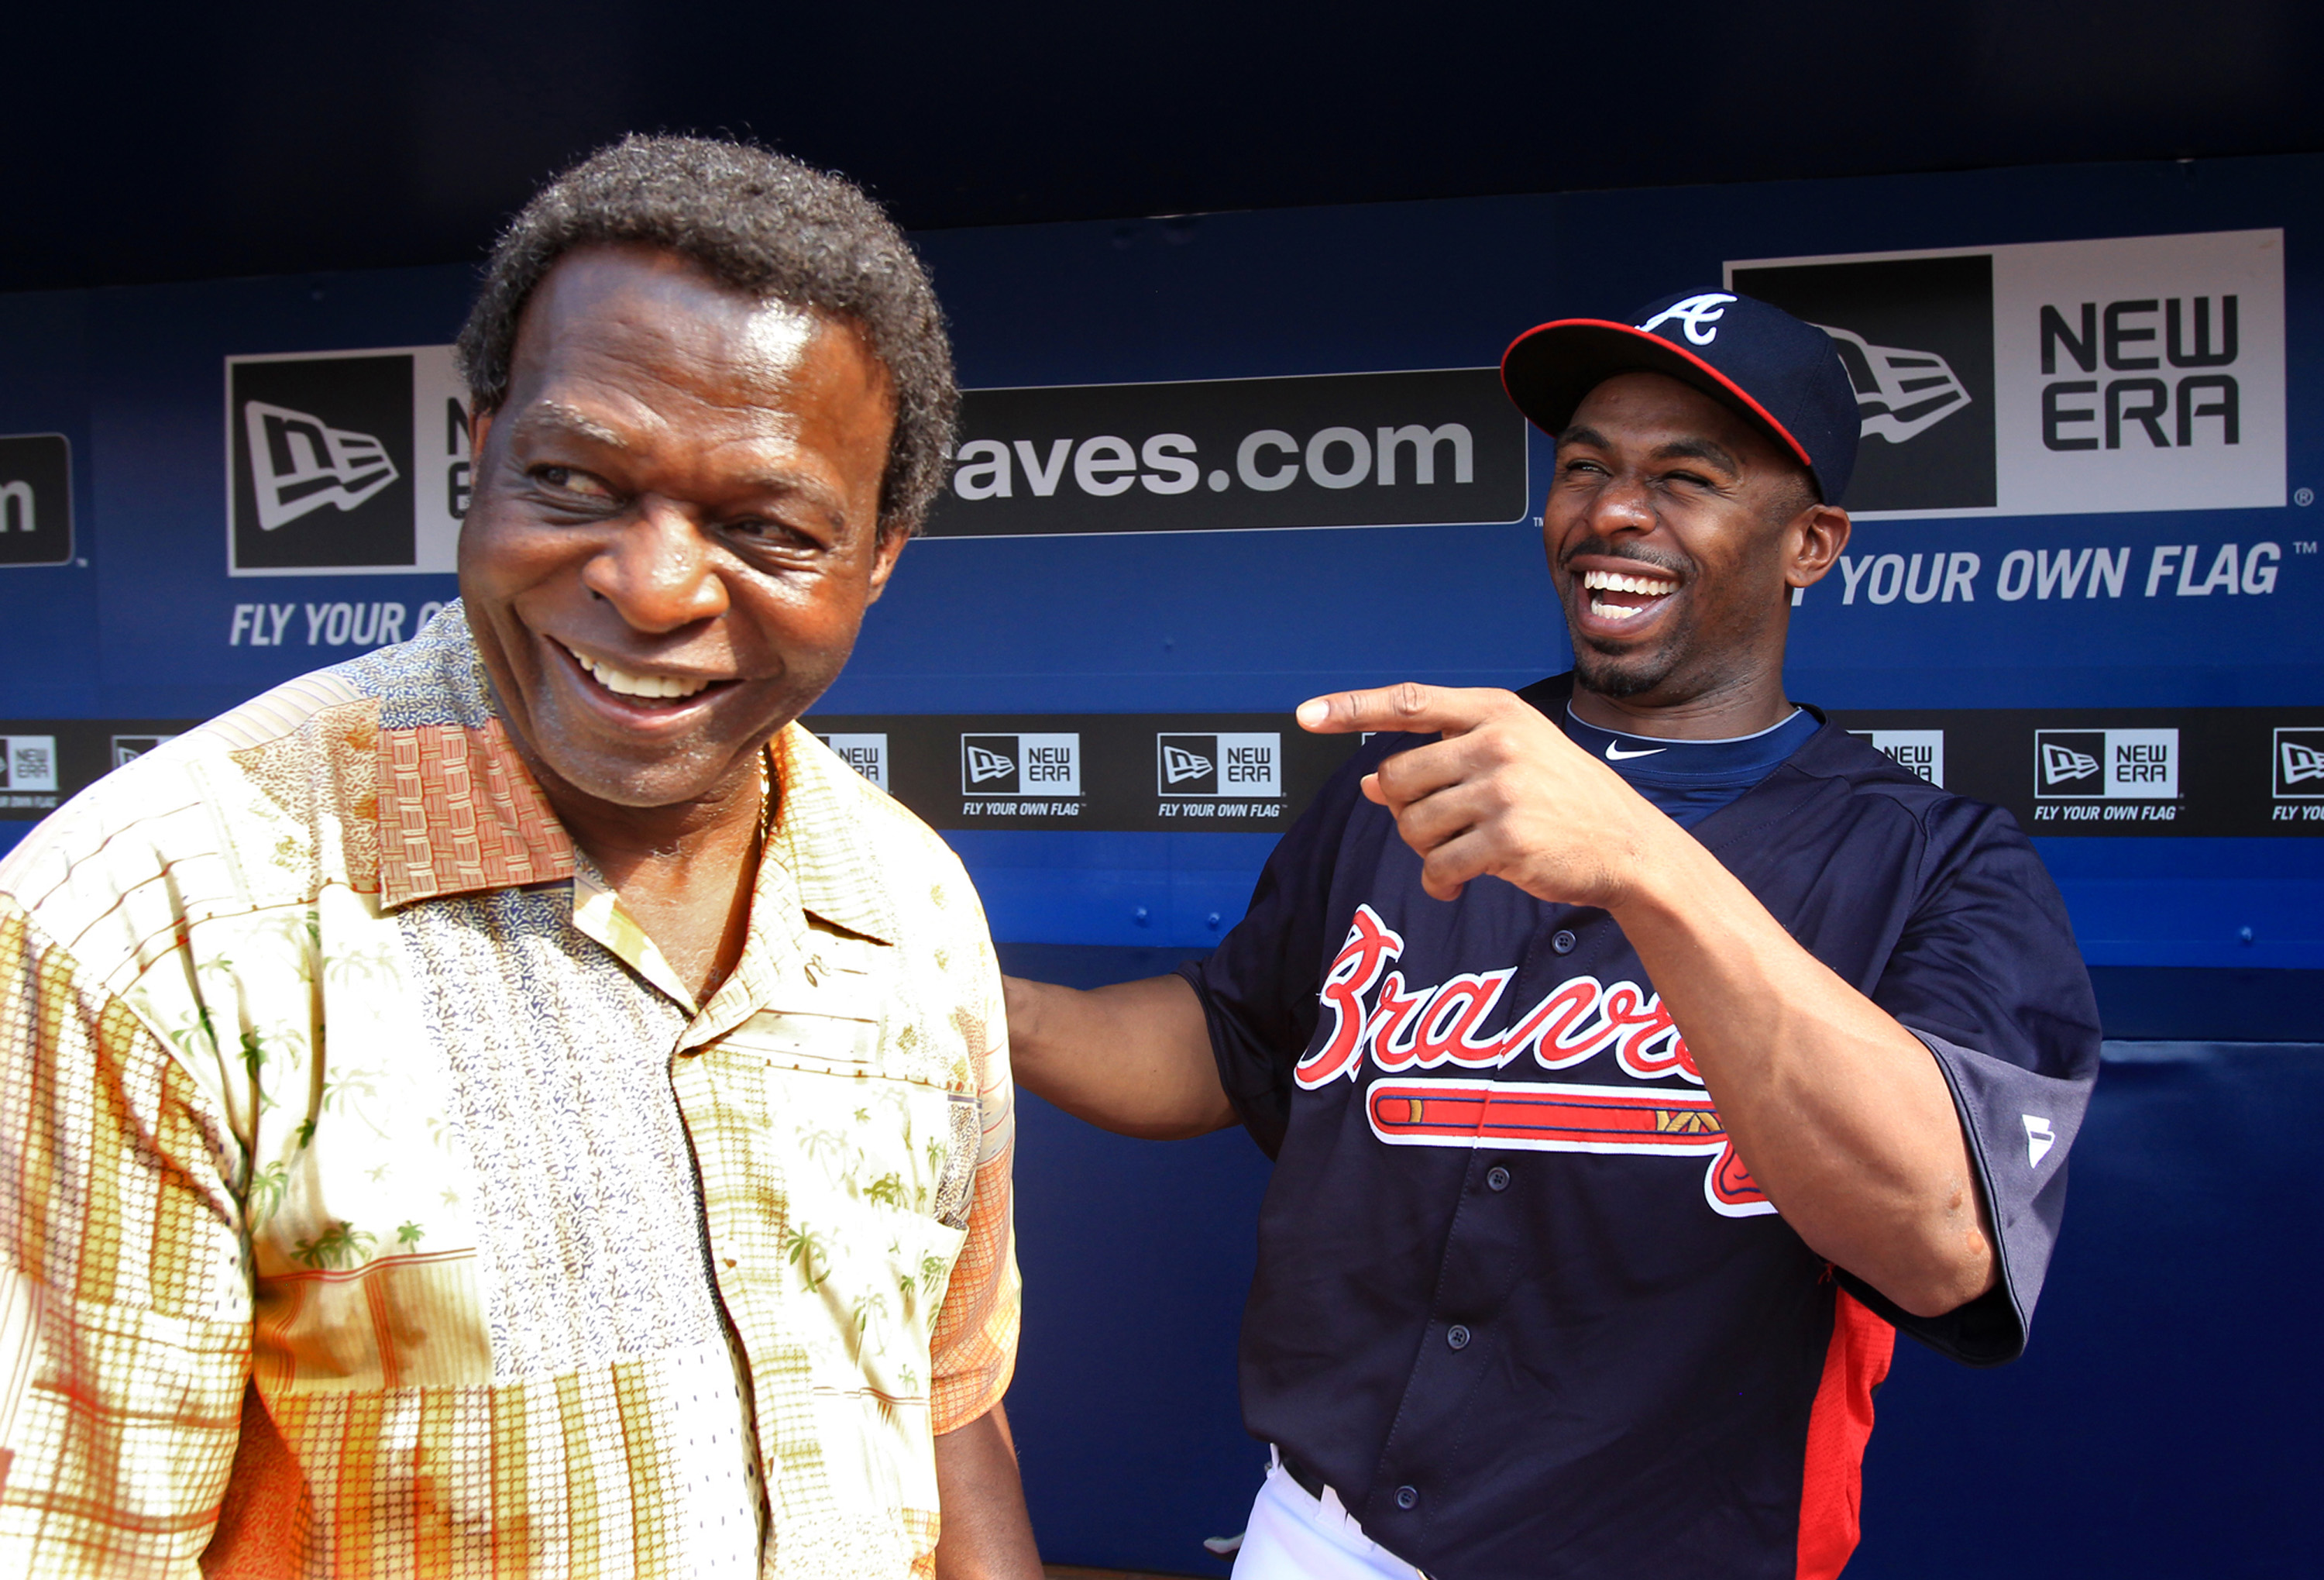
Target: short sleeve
x=1259 y=987
x=1987 y=976
x=972 y=1350
x=125 y=1316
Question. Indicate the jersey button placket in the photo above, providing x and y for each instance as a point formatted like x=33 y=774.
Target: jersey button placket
x=1408 y=1497
x=1497 y=1178
x=1563 y=941
x=1457 y=1337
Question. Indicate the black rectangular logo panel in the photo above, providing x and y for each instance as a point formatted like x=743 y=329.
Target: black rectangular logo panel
x=1916 y=337
x=1334 y=450
x=322 y=451
x=36 y=524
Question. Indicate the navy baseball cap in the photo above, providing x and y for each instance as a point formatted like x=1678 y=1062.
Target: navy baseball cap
x=1780 y=375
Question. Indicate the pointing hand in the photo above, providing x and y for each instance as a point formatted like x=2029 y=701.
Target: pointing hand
x=1504 y=794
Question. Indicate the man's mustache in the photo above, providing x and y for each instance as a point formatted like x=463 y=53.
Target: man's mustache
x=1679 y=567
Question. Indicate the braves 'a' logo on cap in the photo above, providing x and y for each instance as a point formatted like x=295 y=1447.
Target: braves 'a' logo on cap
x=1700 y=316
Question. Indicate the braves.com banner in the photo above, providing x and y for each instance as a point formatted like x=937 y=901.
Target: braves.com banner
x=36 y=526
x=2137 y=373
x=1340 y=451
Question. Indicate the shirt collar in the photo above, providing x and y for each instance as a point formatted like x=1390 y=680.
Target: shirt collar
x=458 y=814
x=817 y=838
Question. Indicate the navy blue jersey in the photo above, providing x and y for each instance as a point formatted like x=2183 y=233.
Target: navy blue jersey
x=1517 y=1301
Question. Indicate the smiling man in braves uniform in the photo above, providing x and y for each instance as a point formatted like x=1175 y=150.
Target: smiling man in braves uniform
x=1638 y=1052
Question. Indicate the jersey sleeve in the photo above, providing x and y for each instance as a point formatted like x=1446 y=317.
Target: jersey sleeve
x=124 y=1313
x=1986 y=974
x=1259 y=987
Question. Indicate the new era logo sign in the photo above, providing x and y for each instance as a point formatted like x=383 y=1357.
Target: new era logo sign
x=1021 y=765
x=1185 y=768
x=985 y=761
x=300 y=464
x=128 y=749
x=1901 y=394
x=1917 y=752
x=321 y=453
x=1916 y=337
x=2065 y=764
x=345 y=462
x=867 y=755
x=2041 y=378
x=1237 y=764
x=2300 y=764
x=28 y=763
x=2134 y=765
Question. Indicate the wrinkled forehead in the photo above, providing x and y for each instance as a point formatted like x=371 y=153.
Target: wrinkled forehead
x=652 y=308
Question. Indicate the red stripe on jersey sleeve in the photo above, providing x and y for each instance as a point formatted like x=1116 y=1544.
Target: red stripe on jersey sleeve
x=1831 y=1491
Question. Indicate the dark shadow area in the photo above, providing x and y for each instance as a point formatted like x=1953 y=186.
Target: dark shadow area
x=149 y=144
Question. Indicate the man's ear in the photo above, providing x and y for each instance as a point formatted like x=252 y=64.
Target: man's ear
x=480 y=424
x=885 y=552
x=1819 y=534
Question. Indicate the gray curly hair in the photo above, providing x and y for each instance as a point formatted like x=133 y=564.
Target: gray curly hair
x=763 y=223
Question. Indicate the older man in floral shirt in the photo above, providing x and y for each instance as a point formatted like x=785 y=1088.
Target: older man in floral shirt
x=516 y=1103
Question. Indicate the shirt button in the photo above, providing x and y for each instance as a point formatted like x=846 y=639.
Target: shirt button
x=1406 y=1497
x=1457 y=1337
x=1497 y=1178
x=1563 y=941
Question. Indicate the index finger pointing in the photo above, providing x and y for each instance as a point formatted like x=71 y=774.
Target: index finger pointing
x=1407 y=707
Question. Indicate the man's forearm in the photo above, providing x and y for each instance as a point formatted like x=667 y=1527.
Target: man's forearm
x=1134 y=1058
x=986 y=1534
x=1842 y=1114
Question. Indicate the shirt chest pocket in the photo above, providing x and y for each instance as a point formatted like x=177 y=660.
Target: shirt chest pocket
x=856 y=1129
x=877 y=1147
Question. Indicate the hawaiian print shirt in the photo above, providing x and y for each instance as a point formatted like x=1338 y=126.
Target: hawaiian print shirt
x=374 y=1198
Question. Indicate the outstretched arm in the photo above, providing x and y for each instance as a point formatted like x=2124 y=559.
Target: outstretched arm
x=1842 y=1114
x=1133 y=1058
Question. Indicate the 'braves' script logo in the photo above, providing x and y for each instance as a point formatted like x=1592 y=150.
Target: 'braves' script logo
x=1373 y=1014
x=1701 y=315
x=1422 y=1028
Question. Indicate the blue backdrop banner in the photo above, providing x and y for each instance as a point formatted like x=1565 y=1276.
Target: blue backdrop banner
x=1211 y=466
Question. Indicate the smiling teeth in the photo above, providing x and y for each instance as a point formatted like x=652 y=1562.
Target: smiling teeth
x=1608 y=581
x=624 y=684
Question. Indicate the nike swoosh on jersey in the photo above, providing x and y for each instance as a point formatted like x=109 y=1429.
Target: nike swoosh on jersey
x=1614 y=753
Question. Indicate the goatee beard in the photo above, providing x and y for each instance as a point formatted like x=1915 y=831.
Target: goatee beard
x=1609 y=676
